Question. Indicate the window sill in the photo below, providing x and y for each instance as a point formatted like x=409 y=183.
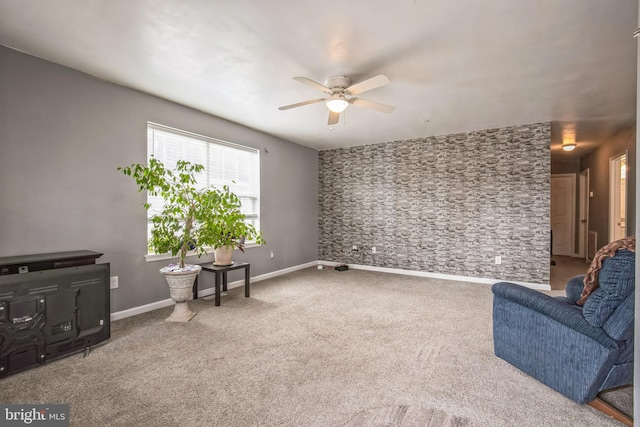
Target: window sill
x=190 y=254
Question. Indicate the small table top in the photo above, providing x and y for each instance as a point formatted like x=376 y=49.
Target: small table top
x=209 y=266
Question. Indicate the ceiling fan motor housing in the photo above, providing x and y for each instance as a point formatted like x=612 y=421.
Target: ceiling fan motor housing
x=337 y=83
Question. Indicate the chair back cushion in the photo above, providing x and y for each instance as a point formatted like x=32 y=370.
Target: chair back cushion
x=616 y=281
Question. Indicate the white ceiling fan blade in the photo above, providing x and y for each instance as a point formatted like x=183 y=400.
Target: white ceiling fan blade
x=313 y=84
x=383 y=108
x=333 y=118
x=300 y=104
x=369 y=84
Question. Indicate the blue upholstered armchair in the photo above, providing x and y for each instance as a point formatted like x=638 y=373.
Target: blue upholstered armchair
x=577 y=351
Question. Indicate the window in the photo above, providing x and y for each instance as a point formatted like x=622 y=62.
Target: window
x=224 y=163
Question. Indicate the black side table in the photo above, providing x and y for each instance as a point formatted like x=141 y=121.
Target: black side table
x=221 y=276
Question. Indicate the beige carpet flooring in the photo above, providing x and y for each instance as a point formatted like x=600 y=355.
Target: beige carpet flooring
x=311 y=348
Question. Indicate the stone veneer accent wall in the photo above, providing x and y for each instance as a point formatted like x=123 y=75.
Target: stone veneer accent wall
x=446 y=204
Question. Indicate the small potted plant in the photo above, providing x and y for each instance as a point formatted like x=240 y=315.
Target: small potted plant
x=175 y=228
x=226 y=228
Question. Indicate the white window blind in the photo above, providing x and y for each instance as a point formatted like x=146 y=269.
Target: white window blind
x=224 y=163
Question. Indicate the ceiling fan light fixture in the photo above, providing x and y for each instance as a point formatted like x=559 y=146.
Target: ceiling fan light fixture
x=337 y=104
x=341 y=94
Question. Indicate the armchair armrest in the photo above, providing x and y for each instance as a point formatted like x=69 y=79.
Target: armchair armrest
x=574 y=287
x=554 y=309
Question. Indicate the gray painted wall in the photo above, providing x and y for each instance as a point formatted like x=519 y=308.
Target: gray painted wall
x=565 y=166
x=64 y=133
x=446 y=204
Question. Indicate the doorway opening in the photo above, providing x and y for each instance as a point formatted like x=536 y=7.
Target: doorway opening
x=563 y=201
x=583 y=214
x=618 y=197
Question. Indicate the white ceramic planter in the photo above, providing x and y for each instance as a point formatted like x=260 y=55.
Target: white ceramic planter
x=223 y=255
x=181 y=286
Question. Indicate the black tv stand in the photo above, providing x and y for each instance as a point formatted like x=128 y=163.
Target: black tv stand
x=48 y=261
x=51 y=305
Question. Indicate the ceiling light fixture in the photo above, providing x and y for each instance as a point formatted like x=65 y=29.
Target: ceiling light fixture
x=337 y=103
x=568 y=140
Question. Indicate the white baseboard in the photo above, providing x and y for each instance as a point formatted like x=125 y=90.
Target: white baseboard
x=141 y=309
x=206 y=292
x=280 y=272
x=537 y=286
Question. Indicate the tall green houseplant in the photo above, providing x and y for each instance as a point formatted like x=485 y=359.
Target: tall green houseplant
x=175 y=228
x=190 y=219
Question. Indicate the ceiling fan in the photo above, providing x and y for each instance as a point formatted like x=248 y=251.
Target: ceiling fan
x=341 y=91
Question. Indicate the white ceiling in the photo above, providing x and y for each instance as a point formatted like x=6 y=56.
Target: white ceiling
x=455 y=65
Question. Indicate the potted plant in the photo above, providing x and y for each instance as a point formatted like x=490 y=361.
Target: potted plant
x=175 y=228
x=226 y=228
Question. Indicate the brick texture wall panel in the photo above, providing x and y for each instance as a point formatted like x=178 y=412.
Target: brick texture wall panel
x=446 y=204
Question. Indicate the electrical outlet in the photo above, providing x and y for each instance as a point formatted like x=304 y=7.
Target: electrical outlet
x=354 y=248
x=113 y=282
x=498 y=259
x=373 y=250
x=271 y=255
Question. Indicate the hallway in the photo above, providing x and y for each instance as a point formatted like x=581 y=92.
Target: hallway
x=566 y=267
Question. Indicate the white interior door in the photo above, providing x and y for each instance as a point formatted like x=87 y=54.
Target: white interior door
x=583 y=214
x=563 y=197
x=618 y=198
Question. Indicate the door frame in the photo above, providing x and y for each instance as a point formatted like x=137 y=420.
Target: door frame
x=572 y=215
x=583 y=214
x=612 y=177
